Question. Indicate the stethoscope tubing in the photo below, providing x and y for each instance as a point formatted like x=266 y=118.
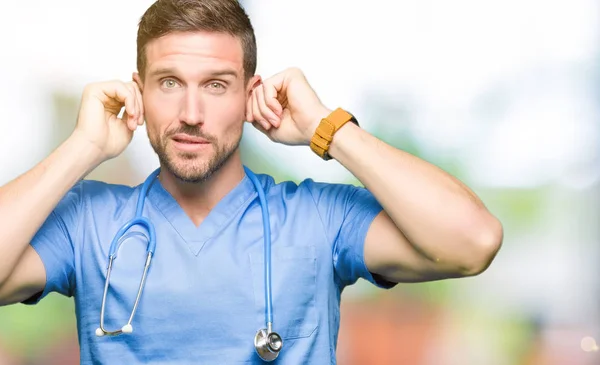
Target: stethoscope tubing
x=140 y=220
x=267 y=245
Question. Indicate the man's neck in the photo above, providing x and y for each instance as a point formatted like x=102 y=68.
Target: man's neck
x=197 y=200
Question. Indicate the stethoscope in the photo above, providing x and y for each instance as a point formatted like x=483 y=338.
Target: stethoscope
x=267 y=342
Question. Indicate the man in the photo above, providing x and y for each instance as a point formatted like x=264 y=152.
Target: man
x=204 y=294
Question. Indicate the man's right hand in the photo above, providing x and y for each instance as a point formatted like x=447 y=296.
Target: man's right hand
x=28 y=200
x=98 y=121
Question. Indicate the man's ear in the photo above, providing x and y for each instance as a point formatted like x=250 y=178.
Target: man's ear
x=138 y=80
x=252 y=83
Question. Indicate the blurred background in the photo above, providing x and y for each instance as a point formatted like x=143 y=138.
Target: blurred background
x=502 y=94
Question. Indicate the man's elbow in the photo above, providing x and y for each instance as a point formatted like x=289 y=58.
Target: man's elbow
x=484 y=243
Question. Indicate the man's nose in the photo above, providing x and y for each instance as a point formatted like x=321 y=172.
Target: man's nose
x=192 y=108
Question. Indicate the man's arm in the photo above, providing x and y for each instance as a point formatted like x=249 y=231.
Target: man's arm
x=29 y=200
x=432 y=227
x=25 y=203
x=26 y=280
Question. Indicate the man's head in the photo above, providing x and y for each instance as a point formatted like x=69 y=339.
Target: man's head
x=196 y=62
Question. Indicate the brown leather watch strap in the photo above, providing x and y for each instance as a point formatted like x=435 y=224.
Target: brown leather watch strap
x=329 y=125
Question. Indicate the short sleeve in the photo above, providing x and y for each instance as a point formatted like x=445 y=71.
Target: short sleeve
x=347 y=212
x=54 y=243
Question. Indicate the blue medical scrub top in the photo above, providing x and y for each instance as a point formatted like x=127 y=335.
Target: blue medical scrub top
x=204 y=296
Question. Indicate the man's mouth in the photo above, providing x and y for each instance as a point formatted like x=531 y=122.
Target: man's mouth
x=187 y=139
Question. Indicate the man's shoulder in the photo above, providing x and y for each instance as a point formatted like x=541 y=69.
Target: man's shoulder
x=307 y=187
x=103 y=192
x=273 y=185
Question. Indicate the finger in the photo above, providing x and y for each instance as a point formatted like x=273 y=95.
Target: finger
x=278 y=80
x=120 y=93
x=271 y=101
x=140 y=103
x=265 y=111
x=132 y=122
x=126 y=119
x=256 y=112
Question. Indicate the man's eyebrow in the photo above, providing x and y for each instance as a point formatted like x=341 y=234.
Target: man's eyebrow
x=164 y=71
x=168 y=71
x=225 y=72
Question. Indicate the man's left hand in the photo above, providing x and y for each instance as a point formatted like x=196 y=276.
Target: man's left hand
x=285 y=108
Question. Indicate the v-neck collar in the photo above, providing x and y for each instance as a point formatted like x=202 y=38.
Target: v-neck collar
x=220 y=216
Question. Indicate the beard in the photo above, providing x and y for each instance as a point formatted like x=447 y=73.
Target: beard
x=192 y=167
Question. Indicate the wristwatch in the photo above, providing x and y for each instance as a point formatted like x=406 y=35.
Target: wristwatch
x=329 y=125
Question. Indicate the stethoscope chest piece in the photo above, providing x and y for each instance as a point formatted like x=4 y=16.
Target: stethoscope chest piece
x=267 y=344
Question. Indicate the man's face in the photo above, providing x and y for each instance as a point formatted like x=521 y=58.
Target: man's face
x=194 y=95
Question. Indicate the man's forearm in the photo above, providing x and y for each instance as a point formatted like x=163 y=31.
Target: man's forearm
x=27 y=201
x=433 y=210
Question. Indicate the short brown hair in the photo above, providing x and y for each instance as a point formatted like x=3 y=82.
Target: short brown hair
x=221 y=16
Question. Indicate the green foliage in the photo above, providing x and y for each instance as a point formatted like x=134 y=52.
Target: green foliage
x=25 y=328
x=518 y=209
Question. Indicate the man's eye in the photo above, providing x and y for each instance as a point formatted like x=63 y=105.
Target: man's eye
x=169 y=83
x=216 y=85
